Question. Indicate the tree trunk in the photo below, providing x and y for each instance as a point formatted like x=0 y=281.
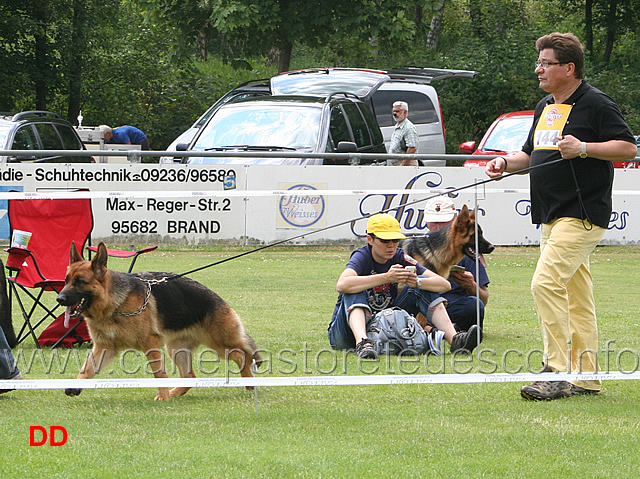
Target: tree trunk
x=75 y=64
x=284 y=60
x=40 y=72
x=436 y=27
x=201 y=38
x=588 y=27
x=611 y=31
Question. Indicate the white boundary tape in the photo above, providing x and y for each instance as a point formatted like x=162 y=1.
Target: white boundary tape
x=364 y=380
x=13 y=195
x=16 y=195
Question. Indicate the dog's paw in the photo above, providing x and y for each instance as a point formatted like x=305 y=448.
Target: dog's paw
x=177 y=392
x=72 y=392
x=163 y=395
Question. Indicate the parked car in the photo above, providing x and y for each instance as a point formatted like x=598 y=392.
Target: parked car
x=245 y=90
x=39 y=130
x=338 y=123
x=377 y=88
x=506 y=135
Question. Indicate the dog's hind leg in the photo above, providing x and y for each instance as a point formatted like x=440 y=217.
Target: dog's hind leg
x=182 y=357
x=243 y=357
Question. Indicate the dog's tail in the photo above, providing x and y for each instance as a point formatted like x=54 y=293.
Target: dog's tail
x=5 y=311
x=255 y=352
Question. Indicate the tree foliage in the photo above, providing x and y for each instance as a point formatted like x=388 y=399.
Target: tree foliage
x=158 y=64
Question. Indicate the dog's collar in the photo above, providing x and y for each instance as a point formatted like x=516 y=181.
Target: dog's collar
x=149 y=283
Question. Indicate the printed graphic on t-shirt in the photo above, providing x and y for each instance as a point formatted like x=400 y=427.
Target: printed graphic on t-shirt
x=550 y=126
x=380 y=297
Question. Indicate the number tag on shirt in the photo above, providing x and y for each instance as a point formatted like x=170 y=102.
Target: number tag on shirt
x=550 y=126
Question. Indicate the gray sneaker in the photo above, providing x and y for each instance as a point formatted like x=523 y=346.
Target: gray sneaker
x=550 y=390
x=546 y=390
x=365 y=349
x=467 y=341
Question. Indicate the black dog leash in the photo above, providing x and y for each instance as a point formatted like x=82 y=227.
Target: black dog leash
x=326 y=228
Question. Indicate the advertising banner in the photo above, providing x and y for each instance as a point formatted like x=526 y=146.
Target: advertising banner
x=201 y=204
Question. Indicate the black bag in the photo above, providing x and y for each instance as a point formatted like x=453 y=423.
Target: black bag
x=394 y=331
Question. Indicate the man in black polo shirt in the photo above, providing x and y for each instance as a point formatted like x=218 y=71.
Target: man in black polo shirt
x=572 y=201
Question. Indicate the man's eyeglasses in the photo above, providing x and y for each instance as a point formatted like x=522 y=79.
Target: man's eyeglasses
x=384 y=241
x=545 y=65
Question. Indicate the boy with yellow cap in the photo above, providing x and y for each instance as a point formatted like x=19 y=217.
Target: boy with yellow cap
x=369 y=284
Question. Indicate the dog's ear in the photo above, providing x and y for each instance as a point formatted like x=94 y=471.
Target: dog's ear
x=461 y=220
x=74 y=255
x=99 y=262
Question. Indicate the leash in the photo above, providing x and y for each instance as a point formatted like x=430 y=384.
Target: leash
x=326 y=228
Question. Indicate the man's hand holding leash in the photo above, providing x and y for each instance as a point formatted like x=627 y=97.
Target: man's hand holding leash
x=504 y=164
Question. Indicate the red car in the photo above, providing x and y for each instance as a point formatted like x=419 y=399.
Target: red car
x=506 y=135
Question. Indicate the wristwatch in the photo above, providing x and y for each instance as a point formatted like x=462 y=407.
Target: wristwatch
x=583 y=150
x=419 y=283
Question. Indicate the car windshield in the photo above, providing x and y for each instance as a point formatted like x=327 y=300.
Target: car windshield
x=4 y=131
x=509 y=135
x=262 y=125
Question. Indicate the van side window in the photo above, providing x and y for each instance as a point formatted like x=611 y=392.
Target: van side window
x=24 y=139
x=68 y=138
x=371 y=121
x=338 y=129
x=49 y=137
x=421 y=108
x=358 y=126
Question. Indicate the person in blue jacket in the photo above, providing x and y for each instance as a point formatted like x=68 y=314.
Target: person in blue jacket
x=125 y=135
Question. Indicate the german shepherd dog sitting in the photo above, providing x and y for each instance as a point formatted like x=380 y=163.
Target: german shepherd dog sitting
x=440 y=250
x=147 y=310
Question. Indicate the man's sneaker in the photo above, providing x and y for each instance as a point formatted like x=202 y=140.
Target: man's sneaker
x=550 y=390
x=578 y=391
x=546 y=390
x=434 y=338
x=2 y=391
x=467 y=341
x=365 y=349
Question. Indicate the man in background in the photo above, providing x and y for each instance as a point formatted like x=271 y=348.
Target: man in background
x=125 y=135
x=404 y=139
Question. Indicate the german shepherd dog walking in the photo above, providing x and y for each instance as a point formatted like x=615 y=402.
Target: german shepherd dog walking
x=147 y=310
x=440 y=250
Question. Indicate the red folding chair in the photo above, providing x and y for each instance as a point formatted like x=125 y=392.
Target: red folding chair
x=122 y=253
x=42 y=265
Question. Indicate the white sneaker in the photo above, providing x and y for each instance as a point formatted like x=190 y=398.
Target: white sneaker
x=435 y=340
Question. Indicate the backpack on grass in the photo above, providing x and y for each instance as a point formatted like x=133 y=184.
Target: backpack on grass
x=394 y=331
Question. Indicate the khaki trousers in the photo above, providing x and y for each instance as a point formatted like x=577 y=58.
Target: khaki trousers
x=562 y=289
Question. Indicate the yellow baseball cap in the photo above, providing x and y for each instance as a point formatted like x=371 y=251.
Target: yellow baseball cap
x=385 y=227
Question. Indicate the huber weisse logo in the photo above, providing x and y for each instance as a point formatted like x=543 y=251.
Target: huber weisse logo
x=299 y=210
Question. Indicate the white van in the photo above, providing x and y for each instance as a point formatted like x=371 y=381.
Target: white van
x=378 y=88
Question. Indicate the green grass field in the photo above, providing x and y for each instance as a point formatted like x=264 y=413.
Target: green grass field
x=285 y=297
